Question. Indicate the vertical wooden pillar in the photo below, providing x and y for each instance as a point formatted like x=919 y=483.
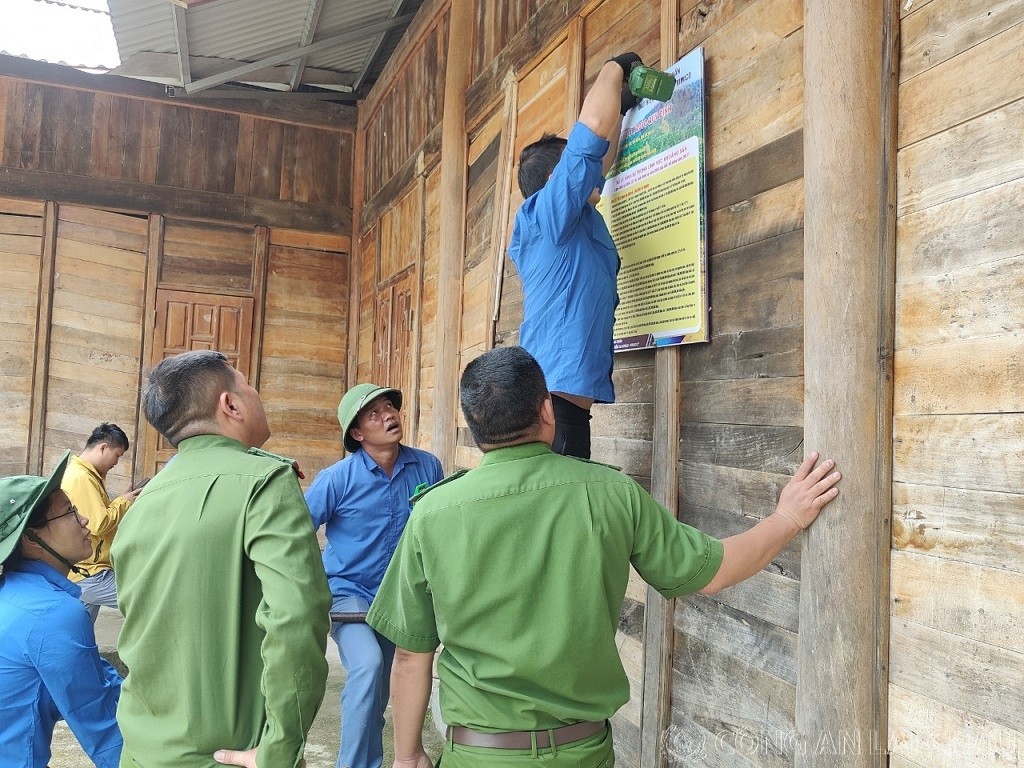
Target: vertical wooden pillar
x=452 y=231
x=41 y=355
x=355 y=269
x=848 y=306
x=659 y=613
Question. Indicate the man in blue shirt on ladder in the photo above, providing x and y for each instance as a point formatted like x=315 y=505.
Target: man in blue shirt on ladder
x=567 y=260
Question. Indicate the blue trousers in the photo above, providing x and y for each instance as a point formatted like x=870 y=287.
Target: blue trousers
x=367 y=659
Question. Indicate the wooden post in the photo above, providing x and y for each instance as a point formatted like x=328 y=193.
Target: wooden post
x=41 y=355
x=144 y=456
x=355 y=259
x=659 y=614
x=849 y=259
x=452 y=231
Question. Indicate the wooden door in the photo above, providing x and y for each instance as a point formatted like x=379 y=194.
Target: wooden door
x=394 y=344
x=188 y=321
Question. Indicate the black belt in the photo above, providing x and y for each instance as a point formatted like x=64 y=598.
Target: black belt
x=524 y=739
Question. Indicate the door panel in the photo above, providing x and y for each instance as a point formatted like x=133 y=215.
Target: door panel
x=188 y=321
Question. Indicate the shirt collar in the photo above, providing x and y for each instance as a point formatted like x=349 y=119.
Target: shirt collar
x=210 y=441
x=405 y=456
x=79 y=461
x=51 y=574
x=514 y=452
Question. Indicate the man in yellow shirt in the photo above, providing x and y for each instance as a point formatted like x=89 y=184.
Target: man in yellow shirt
x=84 y=484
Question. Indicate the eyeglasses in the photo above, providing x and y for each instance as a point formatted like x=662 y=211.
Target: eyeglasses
x=72 y=511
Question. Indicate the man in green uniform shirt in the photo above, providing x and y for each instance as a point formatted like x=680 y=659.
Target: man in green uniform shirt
x=519 y=568
x=219 y=578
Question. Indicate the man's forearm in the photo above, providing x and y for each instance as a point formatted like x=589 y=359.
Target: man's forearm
x=410 y=694
x=750 y=551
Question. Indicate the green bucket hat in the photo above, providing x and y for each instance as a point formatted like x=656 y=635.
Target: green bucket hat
x=19 y=496
x=354 y=401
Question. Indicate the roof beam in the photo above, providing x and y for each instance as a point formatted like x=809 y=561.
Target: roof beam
x=375 y=49
x=181 y=41
x=312 y=20
x=356 y=33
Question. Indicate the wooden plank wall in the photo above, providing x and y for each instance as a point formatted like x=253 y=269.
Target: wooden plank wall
x=92 y=146
x=957 y=634
x=68 y=368
x=734 y=660
x=95 y=352
x=21 y=260
x=73 y=351
x=302 y=366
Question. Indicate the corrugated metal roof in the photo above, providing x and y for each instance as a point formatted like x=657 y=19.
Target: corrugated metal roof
x=223 y=35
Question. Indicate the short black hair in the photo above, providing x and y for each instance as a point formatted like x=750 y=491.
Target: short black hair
x=180 y=398
x=502 y=393
x=537 y=161
x=111 y=434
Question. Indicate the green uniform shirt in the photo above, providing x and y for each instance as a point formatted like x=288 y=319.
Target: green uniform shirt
x=519 y=567
x=226 y=611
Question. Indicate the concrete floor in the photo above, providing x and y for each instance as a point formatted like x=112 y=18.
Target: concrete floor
x=322 y=742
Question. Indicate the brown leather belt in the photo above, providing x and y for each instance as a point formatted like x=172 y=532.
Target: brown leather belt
x=523 y=739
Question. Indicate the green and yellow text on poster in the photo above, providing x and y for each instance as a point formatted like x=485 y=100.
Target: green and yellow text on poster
x=653 y=201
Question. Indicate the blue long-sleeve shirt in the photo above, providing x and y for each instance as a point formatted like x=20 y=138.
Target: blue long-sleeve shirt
x=365 y=512
x=568 y=264
x=50 y=669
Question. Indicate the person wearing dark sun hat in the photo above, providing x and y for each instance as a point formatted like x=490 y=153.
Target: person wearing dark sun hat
x=49 y=663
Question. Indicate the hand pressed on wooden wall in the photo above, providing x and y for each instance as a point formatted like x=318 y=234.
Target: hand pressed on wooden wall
x=808 y=491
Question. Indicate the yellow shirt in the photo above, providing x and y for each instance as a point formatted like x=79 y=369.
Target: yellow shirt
x=84 y=486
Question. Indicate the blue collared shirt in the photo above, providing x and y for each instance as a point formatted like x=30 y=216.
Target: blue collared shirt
x=568 y=264
x=51 y=669
x=365 y=512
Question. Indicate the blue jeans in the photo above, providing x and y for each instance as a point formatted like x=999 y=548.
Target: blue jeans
x=367 y=659
x=98 y=590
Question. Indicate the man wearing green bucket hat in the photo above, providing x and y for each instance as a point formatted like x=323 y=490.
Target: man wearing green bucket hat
x=49 y=663
x=364 y=502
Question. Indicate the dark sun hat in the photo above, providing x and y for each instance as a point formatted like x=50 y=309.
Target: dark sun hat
x=19 y=496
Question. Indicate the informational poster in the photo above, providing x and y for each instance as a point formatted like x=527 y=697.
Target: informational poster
x=654 y=204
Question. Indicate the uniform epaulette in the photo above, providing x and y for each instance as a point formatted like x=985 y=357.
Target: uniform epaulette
x=278 y=457
x=599 y=463
x=423 y=489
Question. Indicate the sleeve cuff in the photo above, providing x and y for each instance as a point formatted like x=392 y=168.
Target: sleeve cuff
x=584 y=141
x=398 y=636
x=712 y=562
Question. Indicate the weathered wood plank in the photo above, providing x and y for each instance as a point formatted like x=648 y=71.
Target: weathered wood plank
x=772 y=352
x=769 y=214
x=980 y=678
x=925 y=733
x=758 y=402
x=748 y=710
x=981 y=153
x=963 y=599
x=772 y=165
x=967 y=304
x=981 y=527
x=772 y=449
x=986 y=379
x=751 y=493
x=930 y=450
x=190 y=203
x=939 y=239
x=738 y=122
x=759 y=285
x=969 y=84
x=722 y=523
x=533 y=42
